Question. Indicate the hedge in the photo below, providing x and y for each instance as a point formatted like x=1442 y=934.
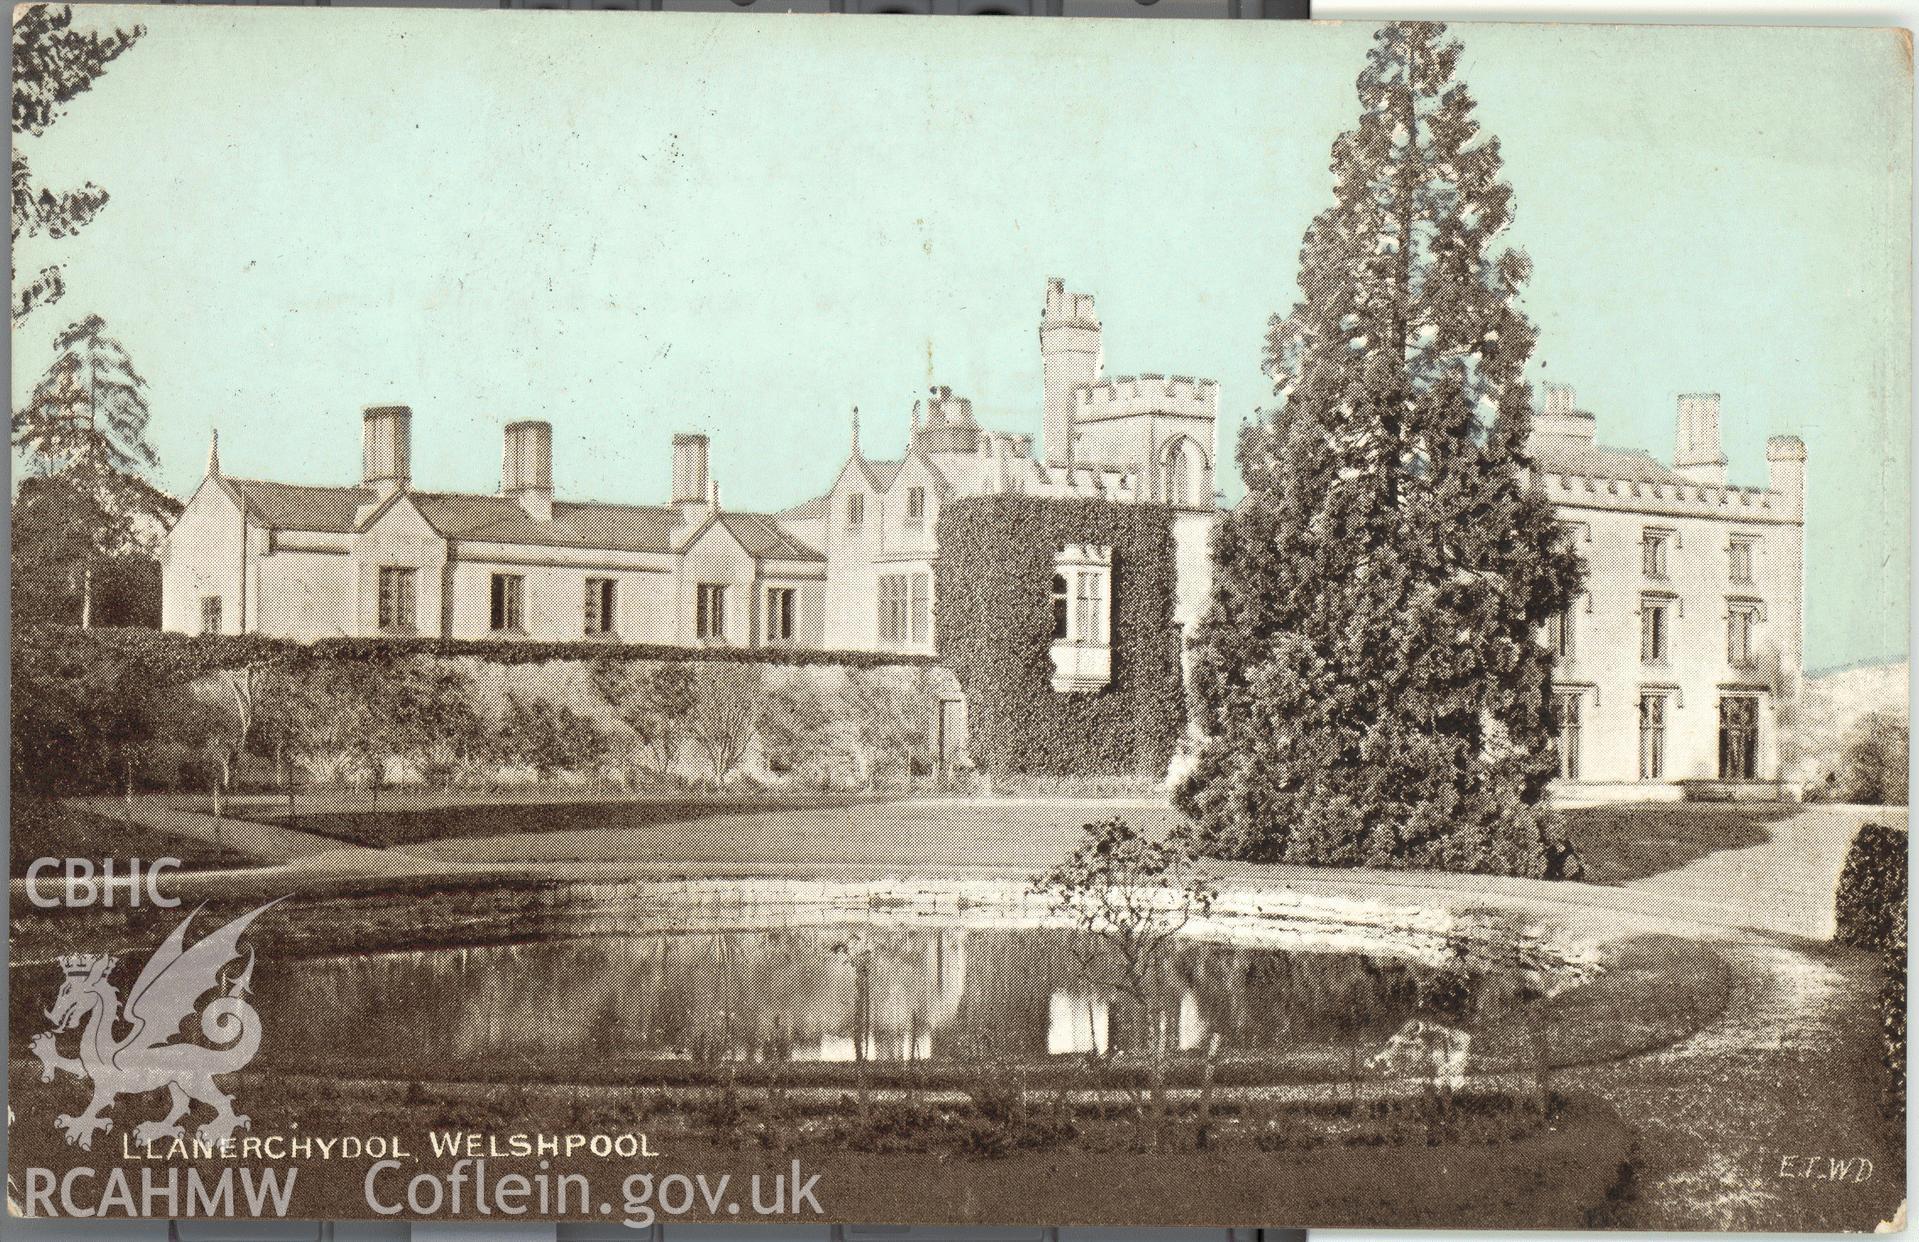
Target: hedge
x=1892 y=1013
x=993 y=609
x=193 y=654
x=1871 y=909
x=1872 y=888
x=88 y=702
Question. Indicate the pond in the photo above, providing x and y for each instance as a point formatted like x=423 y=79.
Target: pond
x=590 y=1007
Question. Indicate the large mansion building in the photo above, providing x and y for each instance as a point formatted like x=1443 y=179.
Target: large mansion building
x=1676 y=662
x=1673 y=666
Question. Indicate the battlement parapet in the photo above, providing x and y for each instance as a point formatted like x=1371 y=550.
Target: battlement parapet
x=1095 y=482
x=1147 y=394
x=1678 y=499
x=1064 y=309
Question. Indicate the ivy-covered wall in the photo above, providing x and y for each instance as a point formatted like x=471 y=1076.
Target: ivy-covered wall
x=994 y=619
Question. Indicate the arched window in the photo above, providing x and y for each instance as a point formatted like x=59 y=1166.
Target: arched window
x=1059 y=607
x=1182 y=473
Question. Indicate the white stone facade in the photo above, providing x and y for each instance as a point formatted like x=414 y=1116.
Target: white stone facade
x=1679 y=662
x=385 y=559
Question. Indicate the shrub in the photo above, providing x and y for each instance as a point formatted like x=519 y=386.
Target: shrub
x=93 y=708
x=1131 y=895
x=549 y=737
x=725 y=715
x=1892 y=1013
x=1872 y=888
x=1875 y=769
x=1871 y=911
x=890 y=714
x=995 y=628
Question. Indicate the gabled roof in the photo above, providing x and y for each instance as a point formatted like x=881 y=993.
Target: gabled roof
x=818 y=507
x=879 y=475
x=575 y=524
x=501 y=519
x=762 y=538
x=940 y=484
x=294 y=506
x=1561 y=455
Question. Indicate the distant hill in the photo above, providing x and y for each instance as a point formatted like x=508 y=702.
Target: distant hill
x=1832 y=706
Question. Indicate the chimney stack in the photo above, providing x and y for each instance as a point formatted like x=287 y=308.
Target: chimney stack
x=526 y=467
x=1696 y=453
x=1561 y=419
x=386 y=437
x=689 y=469
x=1786 y=470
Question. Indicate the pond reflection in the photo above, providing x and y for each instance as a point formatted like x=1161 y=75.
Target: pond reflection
x=820 y=994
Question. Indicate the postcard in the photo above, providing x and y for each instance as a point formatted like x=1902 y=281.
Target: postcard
x=654 y=618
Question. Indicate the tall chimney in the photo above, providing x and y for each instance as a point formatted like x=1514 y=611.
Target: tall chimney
x=386 y=436
x=1786 y=471
x=526 y=467
x=1696 y=453
x=689 y=469
x=1561 y=419
x=1070 y=357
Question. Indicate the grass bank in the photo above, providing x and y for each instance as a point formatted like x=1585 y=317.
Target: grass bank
x=1619 y=844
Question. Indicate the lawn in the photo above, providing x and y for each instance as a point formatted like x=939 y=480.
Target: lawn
x=1617 y=843
x=54 y=830
x=1630 y=842
x=411 y=824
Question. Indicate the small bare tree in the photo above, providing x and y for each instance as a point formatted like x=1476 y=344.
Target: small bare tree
x=891 y=711
x=1130 y=895
x=725 y=714
x=652 y=701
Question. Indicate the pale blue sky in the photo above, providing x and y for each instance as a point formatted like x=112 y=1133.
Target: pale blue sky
x=634 y=224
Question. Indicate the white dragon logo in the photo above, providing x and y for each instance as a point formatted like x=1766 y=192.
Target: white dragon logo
x=142 y=1060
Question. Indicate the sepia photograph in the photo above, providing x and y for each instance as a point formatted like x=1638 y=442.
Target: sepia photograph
x=654 y=617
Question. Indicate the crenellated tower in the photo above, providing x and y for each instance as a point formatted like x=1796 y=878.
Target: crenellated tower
x=1070 y=358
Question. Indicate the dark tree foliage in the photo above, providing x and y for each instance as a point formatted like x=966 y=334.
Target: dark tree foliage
x=52 y=63
x=1369 y=678
x=55 y=526
x=82 y=435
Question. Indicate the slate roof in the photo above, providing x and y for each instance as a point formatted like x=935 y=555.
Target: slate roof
x=762 y=537
x=1562 y=456
x=294 y=506
x=814 y=508
x=575 y=524
x=500 y=519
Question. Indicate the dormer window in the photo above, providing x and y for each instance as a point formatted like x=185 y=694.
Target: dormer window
x=856 y=509
x=1081 y=594
x=915 y=505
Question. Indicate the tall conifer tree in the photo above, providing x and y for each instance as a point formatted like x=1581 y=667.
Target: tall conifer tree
x=1369 y=678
